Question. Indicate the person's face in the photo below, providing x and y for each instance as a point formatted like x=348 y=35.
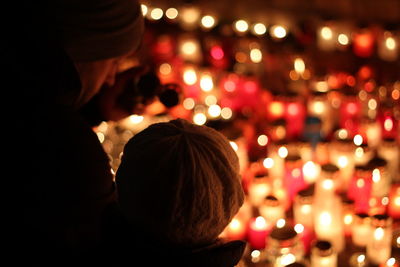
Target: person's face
x=94 y=75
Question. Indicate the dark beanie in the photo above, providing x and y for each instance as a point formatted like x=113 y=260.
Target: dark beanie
x=93 y=30
x=180 y=181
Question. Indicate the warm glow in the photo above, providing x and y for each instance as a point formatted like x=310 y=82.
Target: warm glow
x=322 y=86
x=255 y=55
x=348 y=219
x=376 y=175
x=306 y=209
x=310 y=171
x=199 y=118
x=190 y=15
x=171 y=13
x=326 y=33
x=388 y=124
x=359 y=152
x=287 y=259
x=278 y=31
x=206 y=83
x=343 y=134
x=397 y=201
x=379 y=233
x=299 y=65
x=259 y=28
x=189 y=48
x=299 y=228
x=358 y=140
x=136 y=119
x=343 y=161
x=241 y=25
x=165 y=69
x=262 y=140
x=283 y=152
x=390 y=43
x=260 y=223
x=268 y=163
x=208 y=21
x=327 y=184
x=226 y=113
x=190 y=76
x=235 y=224
x=280 y=223
x=396 y=94
x=101 y=137
x=325 y=218
x=214 y=111
x=276 y=108
x=372 y=104
x=343 y=39
x=360 y=183
x=296 y=173
x=144 y=9
x=234 y=145
x=293 y=109
x=391 y=262
x=361 y=258
x=188 y=103
x=156 y=13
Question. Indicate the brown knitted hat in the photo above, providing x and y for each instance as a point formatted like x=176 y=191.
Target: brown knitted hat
x=180 y=181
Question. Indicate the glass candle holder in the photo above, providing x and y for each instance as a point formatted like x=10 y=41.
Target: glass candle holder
x=389 y=150
x=348 y=215
x=323 y=255
x=293 y=180
x=379 y=245
x=361 y=230
x=342 y=155
x=360 y=188
x=284 y=247
x=271 y=209
x=258 y=188
x=380 y=177
x=303 y=207
x=394 y=201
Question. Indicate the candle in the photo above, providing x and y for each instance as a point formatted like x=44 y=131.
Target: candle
x=258 y=189
x=293 y=179
x=360 y=188
x=379 y=246
x=363 y=43
x=295 y=114
x=271 y=209
x=236 y=229
x=322 y=254
x=306 y=235
x=361 y=230
x=380 y=177
x=284 y=246
x=318 y=106
x=257 y=233
x=303 y=207
x=389 y=150
x=394 y=201
x=326 y=38
x=322 y=152
x=372 y=131
x=358 y=260
x=311 y=171
x=348 y=215
x=342 y=155
x=388 y=46
x=350 y=112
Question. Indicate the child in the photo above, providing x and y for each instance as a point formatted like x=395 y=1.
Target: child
x=178 y=187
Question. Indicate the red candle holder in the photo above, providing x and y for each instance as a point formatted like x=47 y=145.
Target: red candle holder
x=394 y=201
x=360 y=188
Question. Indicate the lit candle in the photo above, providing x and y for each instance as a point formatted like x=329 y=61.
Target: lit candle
x=342 y=155
x=348 y=215
x=295 y=116
x=322 y=152
x=258 y=189
x=236 y=229
x=293 y=179
x=360 y=188
x=271 y=209
x=380 y=177
x=306 y=235
x=318 y=106
x=322 y=254
x=303 y=207
x=326 y=38
x=257 y=233
x=363 y=43
x=361 y=230
x=350 y=112
x=372 y=130
x=389 y=150
x=379 y=246
x=388 y=47
x=311 y=171
x=394 y=201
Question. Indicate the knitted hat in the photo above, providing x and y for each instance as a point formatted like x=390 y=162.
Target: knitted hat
x=180 y=182
x=93 y=30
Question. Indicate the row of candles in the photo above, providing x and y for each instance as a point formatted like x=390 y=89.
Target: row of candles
x=330 y=35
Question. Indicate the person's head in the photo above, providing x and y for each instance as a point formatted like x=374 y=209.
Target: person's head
x=179 y=182
x=97 y=35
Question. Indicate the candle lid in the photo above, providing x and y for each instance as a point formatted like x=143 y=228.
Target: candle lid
x=271 y=200
x=307 y=192
x=293 y=157
x=381 y=220
x=283 y=234
x=362 y=218
x=323 y=248
x=329 y=167
x=260 y=175
x=377 y=162
x=296 y=264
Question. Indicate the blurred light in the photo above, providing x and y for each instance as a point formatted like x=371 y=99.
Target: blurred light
x=256 y=55
x=208 y=21
x=343 y=134
x=165 y=69
x=268 y=163
x=299 y=228
x=376 y=175
x=206 y=83
x=283 y=152
x=189 y=16
x=299 y=65
x=136 y=119
x=326 y=33
x=190 y=76
x=210 y=100
x=322 y=86
x=241 y=25
x=396 y=94
x=226 y=113
x=280 y=223
x=101 y=137
x=171 y=13
x=234 y=145
x=262 y=140
x=372 y=104
x=388 y=124
x=188 y=103
x=259 y=28
x=144 y=9
x=343 y=161
x=156 y=13
x=217 y=52
x=189 y=47
x=358 y=140
x=199 y=118
x=390 y=43
x=343 y=39
x=214 y=111
x=360 y=183
x=278 y=31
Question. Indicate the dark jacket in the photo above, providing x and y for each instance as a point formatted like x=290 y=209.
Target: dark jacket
x=60 y=180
